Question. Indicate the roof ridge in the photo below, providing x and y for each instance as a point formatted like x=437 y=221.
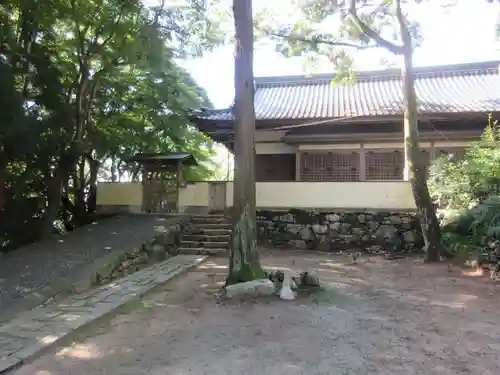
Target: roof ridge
x=392 y=73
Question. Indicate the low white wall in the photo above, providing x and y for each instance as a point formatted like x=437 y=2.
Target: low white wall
x=383 y=195
x=119 y=194
x=373 y=195
x=197 y=195
x=274 y=148
x=229 y=194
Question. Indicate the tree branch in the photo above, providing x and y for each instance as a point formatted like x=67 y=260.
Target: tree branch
x=405 y=35
x=95 y=47
x=394 y=48
x=79 y=34
x=319 y=40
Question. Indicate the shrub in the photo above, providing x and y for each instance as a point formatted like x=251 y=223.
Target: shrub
x=467 y=191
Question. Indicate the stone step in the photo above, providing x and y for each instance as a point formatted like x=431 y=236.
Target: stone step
x=209 y=226
x=201 y=251
x=209 y=221
x=207 y=231
x=210 y=217
x=206 y=237
x=206 y=245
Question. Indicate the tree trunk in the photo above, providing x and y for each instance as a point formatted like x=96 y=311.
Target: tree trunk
x=415 y=168
x=80 y=206
x=67 y=207
x=92 y=198
x=53 y=200
x=244 y=260
x=3 y=181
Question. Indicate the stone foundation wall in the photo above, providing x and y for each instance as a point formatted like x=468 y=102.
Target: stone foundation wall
x=374 y=232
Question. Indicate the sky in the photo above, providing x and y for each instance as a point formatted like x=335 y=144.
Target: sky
x=465 y=33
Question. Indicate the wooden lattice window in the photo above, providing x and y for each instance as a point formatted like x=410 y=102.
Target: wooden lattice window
x=331 y=166
x=454 y=153
x=384 y=165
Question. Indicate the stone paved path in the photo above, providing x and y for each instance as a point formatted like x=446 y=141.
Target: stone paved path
x=29 y=269
x=37 y=330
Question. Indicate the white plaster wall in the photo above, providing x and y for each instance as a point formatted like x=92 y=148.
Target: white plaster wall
x=383 y=195
x=197 y=194
x=269 y=135
x=274 y=148
x=119 y=194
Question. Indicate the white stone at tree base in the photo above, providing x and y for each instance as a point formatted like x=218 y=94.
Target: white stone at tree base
x=286 y=291
x=254 y=288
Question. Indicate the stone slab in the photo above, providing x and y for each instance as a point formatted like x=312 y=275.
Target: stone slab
x=34 y=332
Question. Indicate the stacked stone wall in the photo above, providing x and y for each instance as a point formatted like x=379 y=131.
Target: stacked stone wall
x=336 y=231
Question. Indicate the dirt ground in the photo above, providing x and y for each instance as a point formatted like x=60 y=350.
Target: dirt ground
x=375 y=317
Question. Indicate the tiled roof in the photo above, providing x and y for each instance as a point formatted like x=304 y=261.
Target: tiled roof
x=170 y=158
x=443 y=89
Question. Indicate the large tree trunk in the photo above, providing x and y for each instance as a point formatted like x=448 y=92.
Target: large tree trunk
x=415 y=168
x=54 y=186
x=3 y=181
x=92 y=198
x=244 y=261
x=79 y=182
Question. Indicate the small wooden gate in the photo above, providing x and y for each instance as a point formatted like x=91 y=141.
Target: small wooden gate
x=162 y=178
x=159 y=192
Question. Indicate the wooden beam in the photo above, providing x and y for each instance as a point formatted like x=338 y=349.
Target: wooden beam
x=370 y=137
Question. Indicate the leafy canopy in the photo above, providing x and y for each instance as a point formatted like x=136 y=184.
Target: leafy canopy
x=85 y=84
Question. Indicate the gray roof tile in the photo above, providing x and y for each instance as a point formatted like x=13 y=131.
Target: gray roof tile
x=170 y=158
x=444 y=89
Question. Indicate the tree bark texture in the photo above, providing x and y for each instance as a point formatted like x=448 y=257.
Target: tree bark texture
x=92 y=197
x=415 y=167
x=80 y=201
x=244 y=261
x=53 y=200
x=3 y=181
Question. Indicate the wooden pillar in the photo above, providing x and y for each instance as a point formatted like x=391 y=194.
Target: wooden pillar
x=178 y=185
x=432 y=152
x=161 y=191
x=362 y=162
x=297 y=166
x=144 y=190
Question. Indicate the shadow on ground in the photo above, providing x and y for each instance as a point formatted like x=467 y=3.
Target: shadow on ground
x=374 y=317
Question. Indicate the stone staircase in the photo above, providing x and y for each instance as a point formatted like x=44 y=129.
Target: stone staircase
x=206 y=235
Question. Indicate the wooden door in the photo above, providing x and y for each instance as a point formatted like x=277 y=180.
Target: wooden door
x=170 y=194
x=217 y=196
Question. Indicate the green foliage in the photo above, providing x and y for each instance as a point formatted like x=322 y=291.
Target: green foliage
x=461 y=183
x=467 y=190
x=84 y=85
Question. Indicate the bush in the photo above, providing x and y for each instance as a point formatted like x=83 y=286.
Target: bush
x=467 y=191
